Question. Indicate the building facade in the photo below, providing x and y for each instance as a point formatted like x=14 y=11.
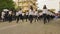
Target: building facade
x=59 y=6
x=26 y=4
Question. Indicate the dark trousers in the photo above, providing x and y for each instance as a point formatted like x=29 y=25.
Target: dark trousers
x=30 y=18
x=26 y=16
x=48 y=18
x=22 y=18
x=40 y=17
x=10 y=18
x=36 y=18
x=17 y=18
x=45 y=18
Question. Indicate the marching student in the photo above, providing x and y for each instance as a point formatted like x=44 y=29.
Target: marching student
x=45 y=11
x=23 y=16
x=20 y=14
x=49 y=15
x=27 y=13
x=10 y=16
x=35 y=14
x=17 y=17
x=3 y=16
x=30 y=16
x=0 y=15
x=40 y=15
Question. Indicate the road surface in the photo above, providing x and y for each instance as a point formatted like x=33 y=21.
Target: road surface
x=52 y=27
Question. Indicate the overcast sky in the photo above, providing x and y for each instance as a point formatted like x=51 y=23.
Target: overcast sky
x=50 y=4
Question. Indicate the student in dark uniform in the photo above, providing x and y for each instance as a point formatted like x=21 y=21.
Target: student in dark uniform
x=31 y=16
x=45 y=11
x=6 y=16
x=49 y=15
x=17 y=17
x=23 y=16
x=40 y=16
x=3 y=16
x=10 y=16
x=26 y=15
x=35 y=14
x=20 y=14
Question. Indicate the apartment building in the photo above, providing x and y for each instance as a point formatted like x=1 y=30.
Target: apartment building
x=26 y=4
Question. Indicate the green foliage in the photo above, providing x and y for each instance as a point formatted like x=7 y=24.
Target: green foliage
x=6 y=4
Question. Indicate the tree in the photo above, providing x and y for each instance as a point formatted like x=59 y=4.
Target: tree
x=6 y=4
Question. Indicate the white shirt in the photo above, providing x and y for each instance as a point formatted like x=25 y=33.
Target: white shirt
x=45 y=11
x=40 y=14
x=35 y=13
x=10 y=12
x=3 y=14
x=20 y=12
x=30 y=12
x=17 y=13
x=27 y=13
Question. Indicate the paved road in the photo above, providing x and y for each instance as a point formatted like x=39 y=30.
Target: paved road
x=26 y=28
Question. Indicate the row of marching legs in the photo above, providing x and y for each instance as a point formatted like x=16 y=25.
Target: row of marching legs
x=30 y=18
x=26 y=17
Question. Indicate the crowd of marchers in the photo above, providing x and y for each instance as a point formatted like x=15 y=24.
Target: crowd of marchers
x=29 y=15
